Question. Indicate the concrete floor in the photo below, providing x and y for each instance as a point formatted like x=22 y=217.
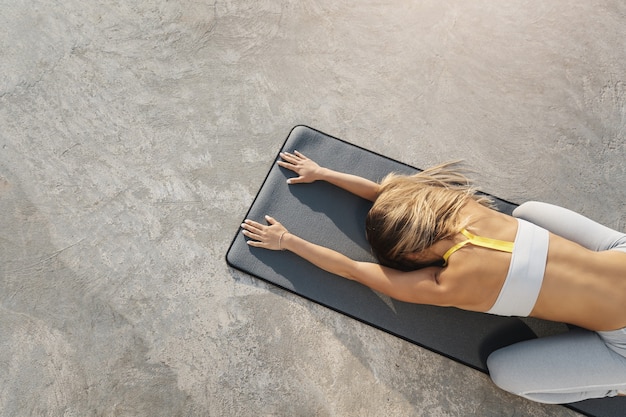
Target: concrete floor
x=135 y=134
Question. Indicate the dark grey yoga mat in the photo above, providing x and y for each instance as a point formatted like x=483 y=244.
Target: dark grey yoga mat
x=327 y=215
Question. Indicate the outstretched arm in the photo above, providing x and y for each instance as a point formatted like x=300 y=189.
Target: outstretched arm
x=419 y=286
x=309 y=171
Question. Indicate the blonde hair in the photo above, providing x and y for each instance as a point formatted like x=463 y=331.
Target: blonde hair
x=412 y=212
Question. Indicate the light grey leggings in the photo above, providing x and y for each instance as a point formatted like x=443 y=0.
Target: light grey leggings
x=576 y=365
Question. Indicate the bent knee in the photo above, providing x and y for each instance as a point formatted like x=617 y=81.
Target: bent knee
x=513 y=376
x=527 y=210
x=501 y=372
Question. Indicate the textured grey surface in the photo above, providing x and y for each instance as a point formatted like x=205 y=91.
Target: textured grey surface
x=134 y=135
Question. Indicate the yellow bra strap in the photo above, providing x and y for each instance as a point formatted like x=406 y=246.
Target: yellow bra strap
x=485 y=242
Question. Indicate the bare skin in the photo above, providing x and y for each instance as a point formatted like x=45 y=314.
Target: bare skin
x=580 y=286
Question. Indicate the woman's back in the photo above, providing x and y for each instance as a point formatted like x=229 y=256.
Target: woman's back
x=580 y=286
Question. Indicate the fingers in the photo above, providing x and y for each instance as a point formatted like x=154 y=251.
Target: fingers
x=252 y=230
x=292 y=157
x=251 y=235
x=291 y=167
x=289 y=157
x=257 y=229
x=251 y=225
x=256 y=226
x=256 y=244
x=286 y=165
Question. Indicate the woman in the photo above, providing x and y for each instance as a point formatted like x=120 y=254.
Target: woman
x=440 y=243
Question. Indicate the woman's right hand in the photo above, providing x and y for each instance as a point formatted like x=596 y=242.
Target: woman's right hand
x=307 y=169
x=262 y=236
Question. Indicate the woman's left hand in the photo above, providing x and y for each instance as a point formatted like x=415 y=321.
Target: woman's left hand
x=262 y=236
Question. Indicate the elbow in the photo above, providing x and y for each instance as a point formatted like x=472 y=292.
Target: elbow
x=375 y=193
x=351 y=271
x=349 y=274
